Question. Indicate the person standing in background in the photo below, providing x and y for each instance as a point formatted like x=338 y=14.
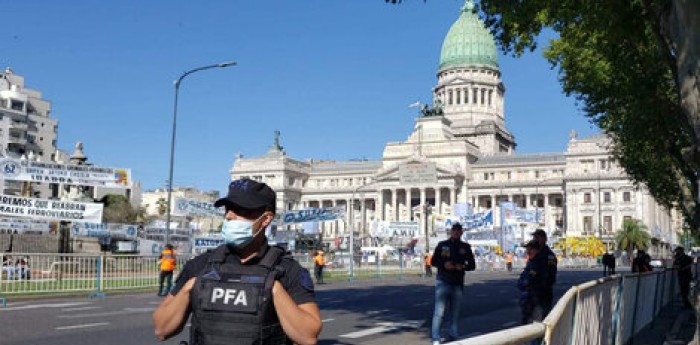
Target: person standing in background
x=452 y=258
x=319 y=265
x=167 y=266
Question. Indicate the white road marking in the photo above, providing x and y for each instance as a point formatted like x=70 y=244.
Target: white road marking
x=509 y=324
x=83 y=325
x=80 y=308
x=366 y=332
x=154 y=303
x=327 y=320
x=125 y=311
x=45 y=305
x=383 y=327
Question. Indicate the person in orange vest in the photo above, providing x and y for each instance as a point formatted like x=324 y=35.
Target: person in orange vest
x=167 y=266
x=428 y=265
x=509 y=261
x=319 y=264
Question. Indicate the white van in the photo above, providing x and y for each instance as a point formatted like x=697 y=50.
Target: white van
x=384 y=253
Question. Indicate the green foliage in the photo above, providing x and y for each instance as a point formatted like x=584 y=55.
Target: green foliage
x=118 y=209
x=162 y=206
x=612 y=56
x=633 y=235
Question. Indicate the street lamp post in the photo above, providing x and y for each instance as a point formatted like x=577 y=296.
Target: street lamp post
x=172 y=141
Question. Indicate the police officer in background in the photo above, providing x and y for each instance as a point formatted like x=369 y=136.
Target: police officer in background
x=532 y=285
x=546 y=258
x=452 y=258
x=684 y=268
x=244 y=291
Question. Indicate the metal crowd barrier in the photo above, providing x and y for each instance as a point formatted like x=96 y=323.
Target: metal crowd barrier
x=64 y=273
x=605 y=311
x=378 y=267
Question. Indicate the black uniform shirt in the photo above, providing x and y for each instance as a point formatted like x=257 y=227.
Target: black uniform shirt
x=296 y=279
x=457 y=252
x=546 y=258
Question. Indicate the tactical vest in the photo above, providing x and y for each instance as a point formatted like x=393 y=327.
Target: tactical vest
x=232 y=303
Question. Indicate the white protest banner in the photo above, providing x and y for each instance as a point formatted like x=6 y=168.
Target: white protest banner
x=86 y=175
x=125 y=231
x=162 y=231
x=211 y=241
x=313 y=215
x=28 y=226
x=72 y=211
x=387 y=229
x=189 y=207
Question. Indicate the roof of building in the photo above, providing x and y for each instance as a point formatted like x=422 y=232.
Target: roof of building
x=468 y=43
x=553 y=157
x=329 y=166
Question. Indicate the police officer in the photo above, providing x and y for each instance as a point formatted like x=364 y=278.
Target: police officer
x=546 y=258
x=532 y=285
x=452 y=258
x=167 y=266
x=684 y=268
x=244 y=291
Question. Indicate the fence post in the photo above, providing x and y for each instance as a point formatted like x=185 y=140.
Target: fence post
x=616 y=314
x=636 y=303
x=379 y=266
x=99 y=265
x=573 y=317
x=2 y=297
x=401 y=265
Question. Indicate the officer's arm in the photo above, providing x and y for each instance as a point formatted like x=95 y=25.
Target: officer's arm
x=301 y=323
x=172 y=313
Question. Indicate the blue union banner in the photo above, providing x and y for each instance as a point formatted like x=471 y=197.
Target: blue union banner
x=313 y=215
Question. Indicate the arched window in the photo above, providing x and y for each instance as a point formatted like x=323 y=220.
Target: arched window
x=458 y=95
x=449 y=97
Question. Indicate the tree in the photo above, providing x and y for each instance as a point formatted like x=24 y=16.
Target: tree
x=162 y=206
x=633 y=66
x=633 y=235
x=629 y=64
x=117 y=209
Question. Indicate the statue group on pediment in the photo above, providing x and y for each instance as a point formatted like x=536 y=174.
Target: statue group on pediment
x=435 y=110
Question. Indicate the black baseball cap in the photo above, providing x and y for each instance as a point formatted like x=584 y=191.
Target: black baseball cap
x=540 y=233
x=457 y=226
x=532 y=244
x=248 y=194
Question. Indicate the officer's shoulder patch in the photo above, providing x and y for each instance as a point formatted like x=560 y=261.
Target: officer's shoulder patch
x=212 y=274
x=305 y=280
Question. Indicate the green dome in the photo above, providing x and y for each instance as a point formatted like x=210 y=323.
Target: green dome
x=468 y=42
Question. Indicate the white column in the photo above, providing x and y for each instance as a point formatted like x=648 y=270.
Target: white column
x=380 y=205
x=363 y=217
x=394 y=206
x=423 y=221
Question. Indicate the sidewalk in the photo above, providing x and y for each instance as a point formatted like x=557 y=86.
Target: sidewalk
x=673 y=326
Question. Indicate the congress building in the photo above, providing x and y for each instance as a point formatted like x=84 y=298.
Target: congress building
x=463 y=138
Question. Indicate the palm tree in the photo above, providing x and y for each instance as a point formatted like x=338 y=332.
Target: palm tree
x=633 y=235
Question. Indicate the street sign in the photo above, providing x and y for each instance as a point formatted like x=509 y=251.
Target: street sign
x=417 y=173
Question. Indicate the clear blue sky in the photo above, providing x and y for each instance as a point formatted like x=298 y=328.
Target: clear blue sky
x=335 y=77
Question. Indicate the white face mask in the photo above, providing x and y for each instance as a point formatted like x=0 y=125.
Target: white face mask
x=239 y=233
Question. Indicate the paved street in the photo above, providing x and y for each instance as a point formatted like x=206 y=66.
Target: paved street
x=362 y=312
